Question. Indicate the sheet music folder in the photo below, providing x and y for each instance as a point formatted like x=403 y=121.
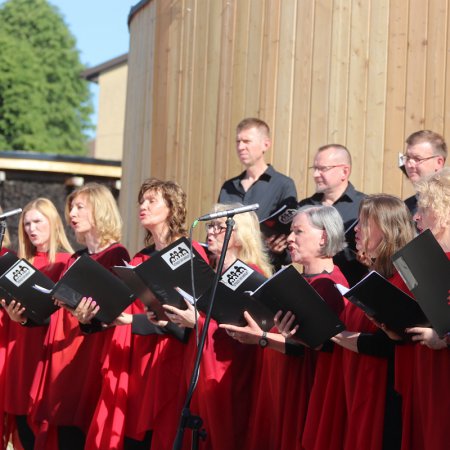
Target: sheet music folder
x=425 y=269
x=232 y=297
x=279 y=222
x=87 y=278
x=17 y=280
x=386 y=303
x=155 y=280
x=287 y=290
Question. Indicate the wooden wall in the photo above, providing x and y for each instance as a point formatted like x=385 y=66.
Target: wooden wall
x=360 y=73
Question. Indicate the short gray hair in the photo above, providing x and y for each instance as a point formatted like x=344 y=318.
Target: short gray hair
x=327 y=218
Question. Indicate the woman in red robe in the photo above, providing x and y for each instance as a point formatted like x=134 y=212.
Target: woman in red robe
x=6 y=427
x=42 y=242
x=372 y=405
x=229 y=371
x=422 y=369
x=288 y=374
x=67 y=386
x=141 y=397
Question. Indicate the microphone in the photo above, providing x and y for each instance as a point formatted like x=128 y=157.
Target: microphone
x=7 y=214
x=229 y=212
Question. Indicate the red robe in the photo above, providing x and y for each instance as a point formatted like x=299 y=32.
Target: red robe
x=26 y=347
x=422 y=377
x=5 y=321
x=224 y=394
x=67 y=386
x=140 y=389
x=286 y=381
x=325 y=421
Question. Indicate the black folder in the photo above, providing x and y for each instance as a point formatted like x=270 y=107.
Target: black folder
x=233 y=297
x=17 y=280
x=279 y=222
x=88 y=278
x=386 y=303
x=287 y=290
x=159 y=276
x=425 y=269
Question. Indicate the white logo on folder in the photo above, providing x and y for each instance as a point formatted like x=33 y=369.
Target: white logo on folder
x=177 y=256
x=19 y=273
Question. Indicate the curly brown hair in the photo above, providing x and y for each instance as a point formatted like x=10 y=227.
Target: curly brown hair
x=175 y=199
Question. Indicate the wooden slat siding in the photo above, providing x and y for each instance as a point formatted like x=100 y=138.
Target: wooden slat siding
x=239 y=77
x=173 y=92
x=254 y=61
x=186 y=119
x=376 y=96
x=136 y=160
x=416 y=72
x=357 y=109
x=270 y=24
x=301 y=111
x=207 y=151
x=321 y=83
x=163 y=92
x=225 y=134
x=395 y=99
x=282 y=129
x=436 y=62
x=195 y=166
x=340 y=67
x=447 y=76
x=364 y=74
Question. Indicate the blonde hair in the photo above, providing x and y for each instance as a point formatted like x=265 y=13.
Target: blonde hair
x=392 y=217
x=104 y=210
x=434 y=194
x=58 y=240
x=248 y=237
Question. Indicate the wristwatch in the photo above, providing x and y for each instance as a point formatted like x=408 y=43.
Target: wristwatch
x=263 y=341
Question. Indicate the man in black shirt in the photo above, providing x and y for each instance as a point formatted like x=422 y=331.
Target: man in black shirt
x=259 y=182
x=331 y=171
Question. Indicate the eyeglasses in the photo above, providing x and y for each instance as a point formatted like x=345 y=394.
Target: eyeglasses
x=323 y=169
x=215 y=227
x=415 y=159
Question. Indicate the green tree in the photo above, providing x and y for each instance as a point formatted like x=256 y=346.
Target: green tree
x=44 y=103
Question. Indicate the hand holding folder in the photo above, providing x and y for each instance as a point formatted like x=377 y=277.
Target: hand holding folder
x=87 y=278
x=16 y=282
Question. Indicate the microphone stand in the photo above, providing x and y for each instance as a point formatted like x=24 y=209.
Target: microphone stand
x=188 y=420
x=2 y=232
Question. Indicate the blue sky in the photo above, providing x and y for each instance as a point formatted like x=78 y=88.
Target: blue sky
x=100 y=29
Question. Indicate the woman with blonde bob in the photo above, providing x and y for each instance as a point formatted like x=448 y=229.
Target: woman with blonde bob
x=422 y=367
x=66 y=391
x=229 y=370
x=43 y=243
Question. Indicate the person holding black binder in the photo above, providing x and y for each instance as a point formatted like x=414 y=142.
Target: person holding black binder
x=288 y=374
x=422 y=369
x=151 y=392
x=229 y=371
x=67 y=385
x=43 y=243
x=373 y=407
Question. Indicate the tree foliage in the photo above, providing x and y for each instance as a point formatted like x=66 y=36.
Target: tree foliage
x=44 y=104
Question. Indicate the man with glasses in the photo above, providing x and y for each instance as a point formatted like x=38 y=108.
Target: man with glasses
x=331 y=171
x=426 y=152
